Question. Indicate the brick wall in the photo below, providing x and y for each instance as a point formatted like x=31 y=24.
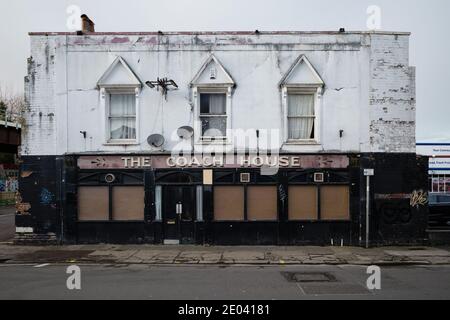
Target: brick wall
x=392 y=95
x=39 y=133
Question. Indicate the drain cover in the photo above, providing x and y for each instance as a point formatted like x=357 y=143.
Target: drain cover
x=308 y=276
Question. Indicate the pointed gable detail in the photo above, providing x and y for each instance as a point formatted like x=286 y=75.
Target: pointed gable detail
x=119 y=74
x=212 y=73
x=302 y=73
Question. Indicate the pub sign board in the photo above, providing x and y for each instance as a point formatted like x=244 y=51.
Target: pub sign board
x=217 y=161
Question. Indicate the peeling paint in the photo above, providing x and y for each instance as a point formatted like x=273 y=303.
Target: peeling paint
x=120 y=40
x=46 y=196
x=367 y=74
x=151 y=40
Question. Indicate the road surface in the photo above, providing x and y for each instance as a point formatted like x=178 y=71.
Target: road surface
x=7 y=227
x=216 y=282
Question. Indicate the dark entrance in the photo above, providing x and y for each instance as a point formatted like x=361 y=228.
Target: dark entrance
x=179 y=211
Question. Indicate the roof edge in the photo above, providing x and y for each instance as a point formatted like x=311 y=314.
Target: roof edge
x=207 y=33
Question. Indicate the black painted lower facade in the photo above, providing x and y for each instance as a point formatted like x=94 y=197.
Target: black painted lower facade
x=51 y=188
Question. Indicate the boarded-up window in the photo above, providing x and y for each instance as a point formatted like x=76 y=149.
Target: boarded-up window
x=262 y=203
x=128 y=203
x=302 y=203
x=334 y=203
x=229 y=203
x=93 y=203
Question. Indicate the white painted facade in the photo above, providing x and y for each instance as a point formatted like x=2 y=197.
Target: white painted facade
x=362 y=81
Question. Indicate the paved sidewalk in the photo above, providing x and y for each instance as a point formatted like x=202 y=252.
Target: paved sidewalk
x=220 y=255
x=7 y=210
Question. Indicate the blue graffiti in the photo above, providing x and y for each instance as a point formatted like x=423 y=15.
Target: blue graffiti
x=46 y=197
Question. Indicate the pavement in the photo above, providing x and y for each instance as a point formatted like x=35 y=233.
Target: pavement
x=212 y=282
x=223 y=255
x=211 y=255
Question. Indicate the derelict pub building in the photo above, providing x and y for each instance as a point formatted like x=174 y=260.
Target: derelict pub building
x=221 y=138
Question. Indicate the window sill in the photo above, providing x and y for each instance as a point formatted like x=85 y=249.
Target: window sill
x=224 y=142
x=121 y=143
x=302 y=142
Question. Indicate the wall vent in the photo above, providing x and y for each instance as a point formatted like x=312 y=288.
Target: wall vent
x=110 y=178
x=318 y=177
x=213 y=73
x=245 y=177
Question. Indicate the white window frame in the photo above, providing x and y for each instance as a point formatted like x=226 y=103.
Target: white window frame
x=196 y=92
x=158 y=202
x=315 y=90
x=104 y=105
x=199 y=204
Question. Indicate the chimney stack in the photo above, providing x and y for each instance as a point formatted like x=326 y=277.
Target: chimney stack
x=87 y=25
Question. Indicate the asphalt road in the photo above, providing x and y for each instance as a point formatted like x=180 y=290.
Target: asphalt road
x=7 y=226
x=215 y=282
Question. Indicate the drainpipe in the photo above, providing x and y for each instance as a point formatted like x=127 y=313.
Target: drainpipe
x=367 y=209
x=368 y=173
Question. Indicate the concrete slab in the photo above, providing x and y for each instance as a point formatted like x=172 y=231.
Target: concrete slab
x=428 y=252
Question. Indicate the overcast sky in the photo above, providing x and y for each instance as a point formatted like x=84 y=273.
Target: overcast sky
x=429 y=22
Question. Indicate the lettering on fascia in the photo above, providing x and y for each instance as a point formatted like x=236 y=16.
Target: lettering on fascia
x=242 y=161
x=136 y=162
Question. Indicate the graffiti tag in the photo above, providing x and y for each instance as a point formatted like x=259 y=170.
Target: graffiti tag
x=46 y=197
x=418 y=198
x=282 y=193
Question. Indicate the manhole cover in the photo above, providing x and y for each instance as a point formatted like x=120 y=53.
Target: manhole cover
x=308 y=277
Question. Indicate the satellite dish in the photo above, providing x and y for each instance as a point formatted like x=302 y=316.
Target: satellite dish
x=185 y=132
x=155 y=140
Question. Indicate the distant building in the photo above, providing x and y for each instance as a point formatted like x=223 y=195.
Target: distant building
x=275 y=131
x=9 y=165
x=439 y=165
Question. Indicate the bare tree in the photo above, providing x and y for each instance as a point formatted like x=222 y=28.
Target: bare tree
x=12 y=106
